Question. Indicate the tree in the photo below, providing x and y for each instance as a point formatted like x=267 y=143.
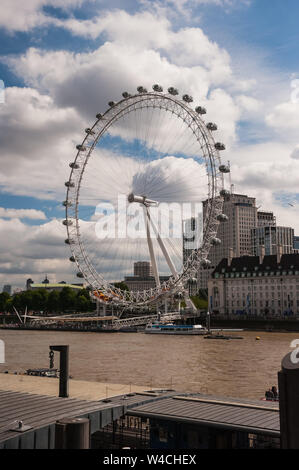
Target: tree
x=121 y=285
x=4 y=301
x=53 y=302
x=67 y=299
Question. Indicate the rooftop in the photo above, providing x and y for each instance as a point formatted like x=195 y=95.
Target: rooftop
x=252 y=264
x=227 y=413
x=54 y=285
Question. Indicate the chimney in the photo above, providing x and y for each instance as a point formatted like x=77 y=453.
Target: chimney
x=279 y=253
x=262 y=253
x=230 y=256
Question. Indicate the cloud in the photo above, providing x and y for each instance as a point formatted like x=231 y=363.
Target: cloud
x=31 y=251
x=285 y=119
x=24 y=16
x=295 y=153
x=37 y=142
x=144 y=50
x=265 y=171
x=22 y=214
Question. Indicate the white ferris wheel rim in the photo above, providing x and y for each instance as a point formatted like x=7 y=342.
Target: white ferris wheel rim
x=212 y=160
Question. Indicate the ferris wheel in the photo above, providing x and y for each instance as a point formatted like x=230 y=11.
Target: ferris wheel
x=142 y=170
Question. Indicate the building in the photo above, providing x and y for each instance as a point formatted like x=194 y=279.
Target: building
x=270 y=237
x=266 y=219
x=7 y=289
x=139 y=421
x=235 y=234
x=143 y=269
x=296 y=244
x=54 y=286
x=28 y=283
x=256 y=285
x=192 y=421
x=191 y=235
x=140 y=283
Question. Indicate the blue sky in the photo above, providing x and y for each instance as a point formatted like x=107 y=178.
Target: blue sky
x=62 y=61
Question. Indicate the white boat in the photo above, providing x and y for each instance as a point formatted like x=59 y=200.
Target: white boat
x=171 y=329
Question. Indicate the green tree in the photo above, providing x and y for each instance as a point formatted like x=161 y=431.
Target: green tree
x=39 y=299
x=53 y=302
x=121 y=285
x=67 y=299
x=200 y=304
x=4 y=301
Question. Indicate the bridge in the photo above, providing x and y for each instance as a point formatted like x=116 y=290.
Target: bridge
x=144 y=319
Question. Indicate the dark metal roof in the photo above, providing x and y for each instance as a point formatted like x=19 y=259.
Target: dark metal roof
x=248 y=416
x=41 y=412
x=287 y=262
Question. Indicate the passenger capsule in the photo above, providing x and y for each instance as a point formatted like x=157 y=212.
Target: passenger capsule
x=212 y=126
x=205 y=263
x=200 y=110
x=74 y=165
x=72 y=259
x=111 y=104
x=69 y=184
x=67 y=222
x=224 y=169
x=157 y=88
x=219 y=146
x=187 y=98
x=81 y=148
x=99 y=116
x=79 y=274
x=215 y=241
x=173 y=91
x=141 y=89
x=224 y=193
x=125 y=94
x=67 y=203
x=69 y=241
x=89 y=131
x=222 y=217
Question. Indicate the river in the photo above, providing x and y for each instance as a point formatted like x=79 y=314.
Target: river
x=236 y=368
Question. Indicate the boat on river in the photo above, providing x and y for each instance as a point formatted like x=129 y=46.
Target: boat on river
x=172 y=329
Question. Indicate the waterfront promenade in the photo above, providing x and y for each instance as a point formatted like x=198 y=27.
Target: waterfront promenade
x=80 y=389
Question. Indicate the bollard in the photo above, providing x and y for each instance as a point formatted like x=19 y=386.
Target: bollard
x=64 y=370
x=288 y=385
x=72 y=433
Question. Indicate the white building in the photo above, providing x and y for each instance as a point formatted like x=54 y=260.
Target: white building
x=265 y=286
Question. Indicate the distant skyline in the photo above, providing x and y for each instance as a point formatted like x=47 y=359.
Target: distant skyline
x=63 y=60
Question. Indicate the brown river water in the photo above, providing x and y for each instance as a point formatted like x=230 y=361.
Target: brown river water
x=236 y=368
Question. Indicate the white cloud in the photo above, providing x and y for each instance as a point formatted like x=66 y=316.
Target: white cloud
x=295 y=153
x=144 y=50
x=22 y=214
x=285 y=119
x=265 y=171
x=32 y=251
x=26 y=15
x=37 y=142
x=250 y=107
